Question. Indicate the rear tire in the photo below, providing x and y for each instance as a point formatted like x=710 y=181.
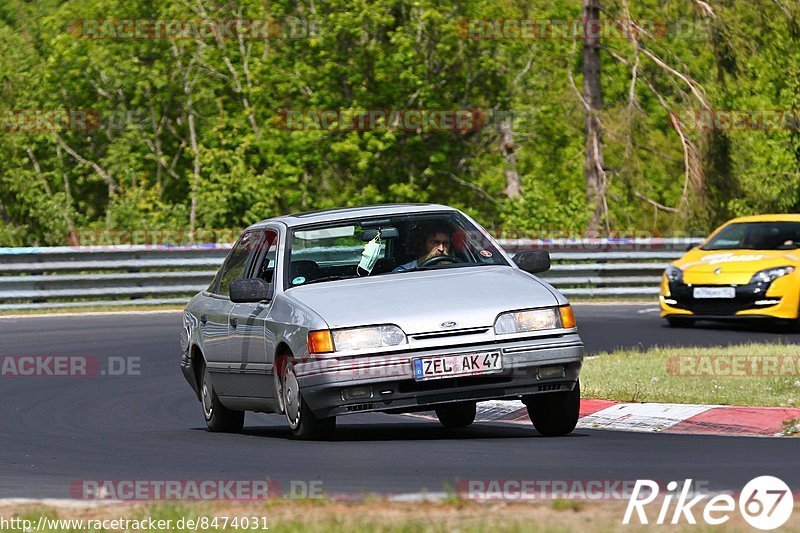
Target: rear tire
x=219 y=419
x=456 y=415
x=301 y=420
x=556 y=413
x=680 y=322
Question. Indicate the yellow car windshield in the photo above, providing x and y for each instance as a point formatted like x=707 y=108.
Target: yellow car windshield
x=756 y=236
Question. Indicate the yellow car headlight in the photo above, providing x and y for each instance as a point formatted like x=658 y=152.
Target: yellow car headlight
x=674 y=273
x=771 y=274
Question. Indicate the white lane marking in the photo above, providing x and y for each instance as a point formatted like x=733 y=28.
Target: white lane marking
x=647 y=417
x=652 y=310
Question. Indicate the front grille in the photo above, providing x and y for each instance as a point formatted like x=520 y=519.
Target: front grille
x=718 y=307
x=549 y=388
x=746 y=298
x=409 y=385
x=453 y=333
x=360 y=407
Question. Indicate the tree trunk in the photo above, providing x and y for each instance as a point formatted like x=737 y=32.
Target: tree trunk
x=195 y=169
x=592 y=95
x=508 y=150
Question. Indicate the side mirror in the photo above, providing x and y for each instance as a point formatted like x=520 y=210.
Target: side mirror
x=535 y=262
x=250 y=290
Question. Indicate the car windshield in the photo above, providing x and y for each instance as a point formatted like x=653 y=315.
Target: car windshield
x=756 y=236
x=391 y=245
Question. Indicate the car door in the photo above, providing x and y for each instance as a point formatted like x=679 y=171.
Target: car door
x=249 y=340
x=215 y=316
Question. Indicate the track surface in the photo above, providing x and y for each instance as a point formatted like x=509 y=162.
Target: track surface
x=54 y=431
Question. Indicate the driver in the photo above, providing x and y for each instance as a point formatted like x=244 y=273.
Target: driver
x=435 y=244
x=758 y=238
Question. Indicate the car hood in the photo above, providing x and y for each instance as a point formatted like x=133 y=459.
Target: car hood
x=744 y=261
x=420 y=302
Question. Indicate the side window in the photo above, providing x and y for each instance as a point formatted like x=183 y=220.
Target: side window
x=235 y=263
x=268 y=256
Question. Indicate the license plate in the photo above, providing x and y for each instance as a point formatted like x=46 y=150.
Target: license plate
x=457 y=365
x=714 y=292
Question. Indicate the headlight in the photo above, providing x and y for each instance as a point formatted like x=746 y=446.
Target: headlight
x=533 y=320
x=674 y=274
x=771 y=274
x=367 y=338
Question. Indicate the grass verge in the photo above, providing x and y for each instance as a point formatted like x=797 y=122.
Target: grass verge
x=747 y=374
x=369 y=516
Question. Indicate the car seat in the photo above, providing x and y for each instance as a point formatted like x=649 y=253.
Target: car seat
x=306 y=269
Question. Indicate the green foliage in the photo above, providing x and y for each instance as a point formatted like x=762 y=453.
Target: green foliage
x=191 y=134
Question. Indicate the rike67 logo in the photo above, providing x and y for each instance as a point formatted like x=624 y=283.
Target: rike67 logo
x=765 y=503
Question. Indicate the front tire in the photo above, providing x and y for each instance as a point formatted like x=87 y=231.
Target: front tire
x=219 y=419
x=556 y=413
x=456 y=415
x=301 y=420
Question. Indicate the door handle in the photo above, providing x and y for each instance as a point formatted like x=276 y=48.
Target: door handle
x=204 y=319
x=233 y=322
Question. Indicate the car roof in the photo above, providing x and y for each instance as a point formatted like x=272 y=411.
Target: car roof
x=767 y=218
x=346 y=213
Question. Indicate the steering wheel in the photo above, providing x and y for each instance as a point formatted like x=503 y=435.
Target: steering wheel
x=439 y=259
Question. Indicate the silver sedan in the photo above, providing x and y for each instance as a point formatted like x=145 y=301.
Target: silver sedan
x=395 y=309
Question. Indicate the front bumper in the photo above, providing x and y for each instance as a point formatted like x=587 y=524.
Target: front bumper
x=752 y=300
x=386 y=382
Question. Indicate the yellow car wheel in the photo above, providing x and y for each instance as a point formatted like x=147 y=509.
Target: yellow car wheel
x=680 y=322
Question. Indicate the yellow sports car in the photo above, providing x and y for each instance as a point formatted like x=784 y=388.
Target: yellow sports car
x=748 y=268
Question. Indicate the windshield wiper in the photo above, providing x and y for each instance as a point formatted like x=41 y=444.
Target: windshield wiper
x=447 y=265
x=327 y=278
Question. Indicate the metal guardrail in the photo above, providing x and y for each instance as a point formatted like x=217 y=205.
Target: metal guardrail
x=63 y=277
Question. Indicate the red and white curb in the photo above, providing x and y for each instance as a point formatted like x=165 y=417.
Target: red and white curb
x=662 y=417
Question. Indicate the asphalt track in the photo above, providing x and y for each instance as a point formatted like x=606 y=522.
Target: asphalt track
x=55 y=431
